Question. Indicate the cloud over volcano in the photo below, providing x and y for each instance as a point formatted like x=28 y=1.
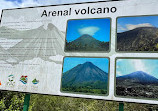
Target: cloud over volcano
x=88 y=30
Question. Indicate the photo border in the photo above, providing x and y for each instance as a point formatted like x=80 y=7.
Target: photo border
x=131 y=97
x=116 y=50
x=82 y=93
x=89 y=51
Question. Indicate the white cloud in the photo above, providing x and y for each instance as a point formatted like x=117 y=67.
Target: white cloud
x=28 y=3
x=88 y=30
x=139 y=65
x=119 y=60
x=118 y=73
x=48 y=2
x=127 y=27
x=131 y=26
x=7 y=4
x=121 y=28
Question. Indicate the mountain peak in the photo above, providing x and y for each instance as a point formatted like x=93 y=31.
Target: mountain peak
x=139 y=76
x=136 y=74
x=85 y=72
x=146 y=27
x=86 y=39
x=88 y=63
x=51 y=26
x=141 y=73
x=86 y=35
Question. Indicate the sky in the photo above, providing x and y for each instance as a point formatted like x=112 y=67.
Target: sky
x=129 y=23
x=6 y=4
x=70 y=62
x=97 y=28
x=127 y=66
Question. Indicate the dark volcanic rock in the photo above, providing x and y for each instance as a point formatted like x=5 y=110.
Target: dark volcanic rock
x=137 y=84
x=139 y=39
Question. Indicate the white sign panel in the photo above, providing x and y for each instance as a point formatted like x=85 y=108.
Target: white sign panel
x=100 y=50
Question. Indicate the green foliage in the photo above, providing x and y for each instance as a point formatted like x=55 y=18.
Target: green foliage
x=55 y=103
x=97 y=87
x=156 y=46
x=2 y=105
x=85 y=90
x=12 y=101
x=103 y=46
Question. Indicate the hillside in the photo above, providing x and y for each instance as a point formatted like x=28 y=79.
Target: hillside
x=137 y=84
x=85 y=78
x=139 y=39
x=138 y=77
x=87 y=43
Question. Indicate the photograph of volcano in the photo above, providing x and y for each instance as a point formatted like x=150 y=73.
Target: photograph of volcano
x=137 y=78
x=88 y=35
x=85 y=75
x=137 y=34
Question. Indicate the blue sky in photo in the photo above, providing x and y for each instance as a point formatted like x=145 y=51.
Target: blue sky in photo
x=124 y=22
x=97 y=28
x=70 y=62
x=127 y=66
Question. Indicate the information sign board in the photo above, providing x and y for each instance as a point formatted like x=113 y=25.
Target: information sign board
x=99 y=50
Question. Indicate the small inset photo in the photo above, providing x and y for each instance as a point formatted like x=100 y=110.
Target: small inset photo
x=137 y=78
x=88 y=35
x=85 y=75
x=137 y=34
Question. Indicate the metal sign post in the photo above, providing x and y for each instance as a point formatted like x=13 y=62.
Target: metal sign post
x=121 y=106
x=26 y=102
